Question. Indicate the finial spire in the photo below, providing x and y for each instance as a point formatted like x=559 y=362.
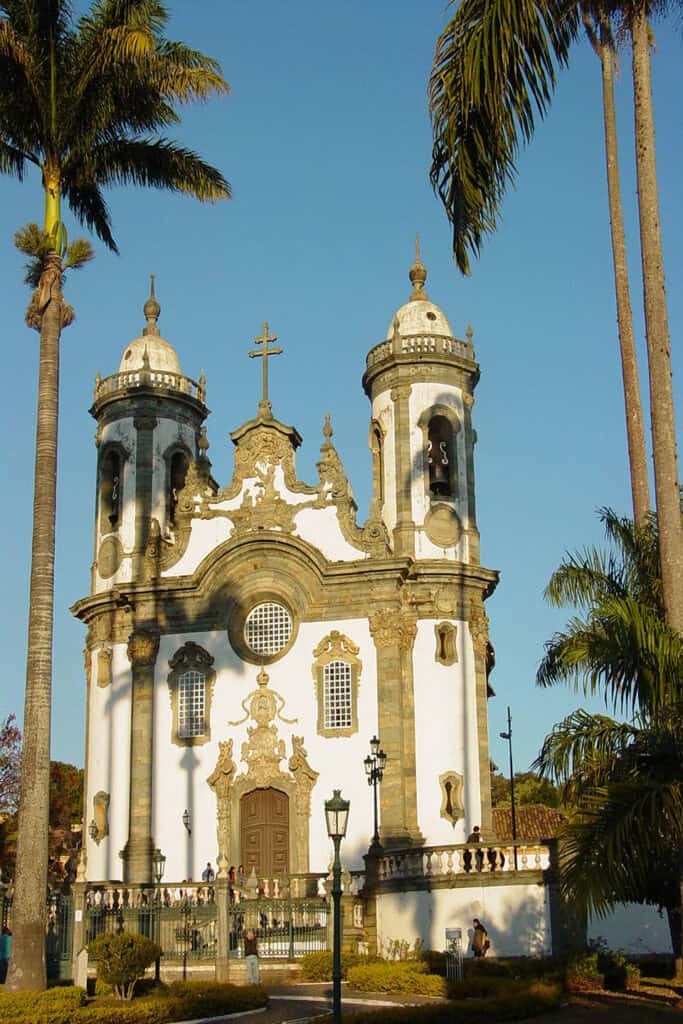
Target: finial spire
x=151 y=309
x=418 y=275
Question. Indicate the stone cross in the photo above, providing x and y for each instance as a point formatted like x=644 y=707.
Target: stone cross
x=263 y=353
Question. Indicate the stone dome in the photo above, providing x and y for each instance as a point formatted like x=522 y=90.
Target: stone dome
x=419 y=316
x=160 y=355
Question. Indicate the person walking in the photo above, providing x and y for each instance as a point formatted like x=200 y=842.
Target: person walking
x=480 y=939
x=251 y=957
x=5 y=952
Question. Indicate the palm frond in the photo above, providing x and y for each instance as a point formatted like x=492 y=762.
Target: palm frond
x=157 y=163
x=87 y=202
x=494 y=71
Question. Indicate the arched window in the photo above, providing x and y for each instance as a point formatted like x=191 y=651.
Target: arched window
x=176 y=481
x=190 y=682
x=377 y=449
x=110 y=491
x=440 y=456
x=191 y=705
x=337 y=696
x=336 y=672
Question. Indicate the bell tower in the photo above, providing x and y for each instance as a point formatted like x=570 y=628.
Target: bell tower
x=420 y=381
x=149 y=427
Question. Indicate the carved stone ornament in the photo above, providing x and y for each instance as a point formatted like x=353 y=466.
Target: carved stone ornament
x=104 y=658
x=452 y=796
x=393 y=627
x=267 y=510
x=479 y=631
x=143 y=648
x=446 y=635
x=336 y=645
x=442 y=526
x=335 y=490
x=100 y=815
x=262 y=752
x=109 y=557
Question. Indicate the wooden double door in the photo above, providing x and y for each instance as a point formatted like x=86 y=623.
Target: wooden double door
x=264 y=832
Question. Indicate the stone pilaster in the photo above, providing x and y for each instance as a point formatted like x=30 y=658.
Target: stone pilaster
x=144 y=465
x=404 y=531
x=394 y=631
x=222 y=891
x=143 y=648
x=79 y=933
x=479 y=631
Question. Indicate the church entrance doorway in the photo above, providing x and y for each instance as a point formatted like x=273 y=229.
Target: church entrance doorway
x=264 y=832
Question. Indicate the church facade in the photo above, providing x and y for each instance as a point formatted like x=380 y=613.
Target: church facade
x=246 y=639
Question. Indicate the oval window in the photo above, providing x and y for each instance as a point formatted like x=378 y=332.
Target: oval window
x=267 y=628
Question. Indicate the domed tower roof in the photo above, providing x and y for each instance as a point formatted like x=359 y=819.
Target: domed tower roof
x=150 y=351
x=419 y=316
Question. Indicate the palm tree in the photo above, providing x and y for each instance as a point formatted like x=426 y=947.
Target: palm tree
x=494 y=69
x=624 y=779
x=83 y=102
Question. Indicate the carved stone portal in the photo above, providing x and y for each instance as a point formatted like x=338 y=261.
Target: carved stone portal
x=262 y=752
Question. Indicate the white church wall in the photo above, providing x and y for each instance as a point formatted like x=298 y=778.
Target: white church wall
x=205 y=537
x=180 y=773
x=320 y=527
x=517 y=917
x=633 y=928
x=439 y=735
x=109 y=765
x=383 y=413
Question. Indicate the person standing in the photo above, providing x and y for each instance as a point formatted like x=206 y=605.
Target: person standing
x=251 y=957
x=208 y=874
x=5 y=952
x=480 y=939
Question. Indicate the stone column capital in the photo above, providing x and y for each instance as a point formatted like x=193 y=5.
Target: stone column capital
x=393 y=627
x=145 y=422
x=143 y=647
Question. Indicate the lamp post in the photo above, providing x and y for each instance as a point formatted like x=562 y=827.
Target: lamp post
x=158 y=865
x=336 y=818
x=375 y=764
x=508 y=736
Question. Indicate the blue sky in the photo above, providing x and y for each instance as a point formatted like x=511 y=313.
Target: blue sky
x=326 y=142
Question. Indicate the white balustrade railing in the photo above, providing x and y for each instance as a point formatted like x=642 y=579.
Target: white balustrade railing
x=412 y=344
x=149 y=378
x=435 y=862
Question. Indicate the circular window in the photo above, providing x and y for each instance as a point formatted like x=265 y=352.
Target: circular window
x=267 y=628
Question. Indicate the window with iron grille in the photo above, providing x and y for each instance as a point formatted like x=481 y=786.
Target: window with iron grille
x=191 y=704
x=268 y=628
x=337 y=696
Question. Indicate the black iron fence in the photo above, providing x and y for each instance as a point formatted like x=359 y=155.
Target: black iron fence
x=59 y=931
x=284 y=928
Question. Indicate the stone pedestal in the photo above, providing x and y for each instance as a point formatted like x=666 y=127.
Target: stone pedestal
x=222 y=895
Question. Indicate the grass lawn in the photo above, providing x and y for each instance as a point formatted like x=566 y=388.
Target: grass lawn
x=615 y=1008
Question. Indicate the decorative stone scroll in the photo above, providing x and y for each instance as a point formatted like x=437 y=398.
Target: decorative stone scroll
x=143 y=647
x=393 y=627
x=100 y=815
x=452 y=796
x=104 y=659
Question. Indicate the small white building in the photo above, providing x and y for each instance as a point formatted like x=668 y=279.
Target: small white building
x=247 y=638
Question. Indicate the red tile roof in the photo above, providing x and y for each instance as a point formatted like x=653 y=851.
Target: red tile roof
x=534 y=821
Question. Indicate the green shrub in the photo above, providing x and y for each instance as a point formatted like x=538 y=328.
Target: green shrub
x=619 y=974
x=582 y=973
x=55 y=1004
x=515 y=1001
x=122 y=959
x=318 y=966
x=397 y=976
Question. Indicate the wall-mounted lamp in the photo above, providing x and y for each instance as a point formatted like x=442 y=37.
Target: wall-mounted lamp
x=92 y=830
x=187 y=821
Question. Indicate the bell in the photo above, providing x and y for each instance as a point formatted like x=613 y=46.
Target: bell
x=438 y=478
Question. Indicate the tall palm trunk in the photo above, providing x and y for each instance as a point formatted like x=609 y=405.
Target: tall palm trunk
x=635 y=431
x=27 y=966
x=667 y=491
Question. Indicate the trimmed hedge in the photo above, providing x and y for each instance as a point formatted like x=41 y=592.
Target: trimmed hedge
x=515 y=1001
x=179 y=1001
x=318 y=966
x=406 y=976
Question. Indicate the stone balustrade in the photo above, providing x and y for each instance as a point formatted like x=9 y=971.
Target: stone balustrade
x=112 y=896
x=417 y=344
x=121 y=382
x=444 y=862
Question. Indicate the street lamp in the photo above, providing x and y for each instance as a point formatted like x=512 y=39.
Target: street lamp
x=508 y=736
x=375 y=764
x=336 y=818
x=187 y=821
x=158 y=865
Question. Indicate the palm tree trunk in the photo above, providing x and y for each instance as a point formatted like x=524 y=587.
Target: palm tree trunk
x=27 y=965
x=635 y=431
x=657 y=330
